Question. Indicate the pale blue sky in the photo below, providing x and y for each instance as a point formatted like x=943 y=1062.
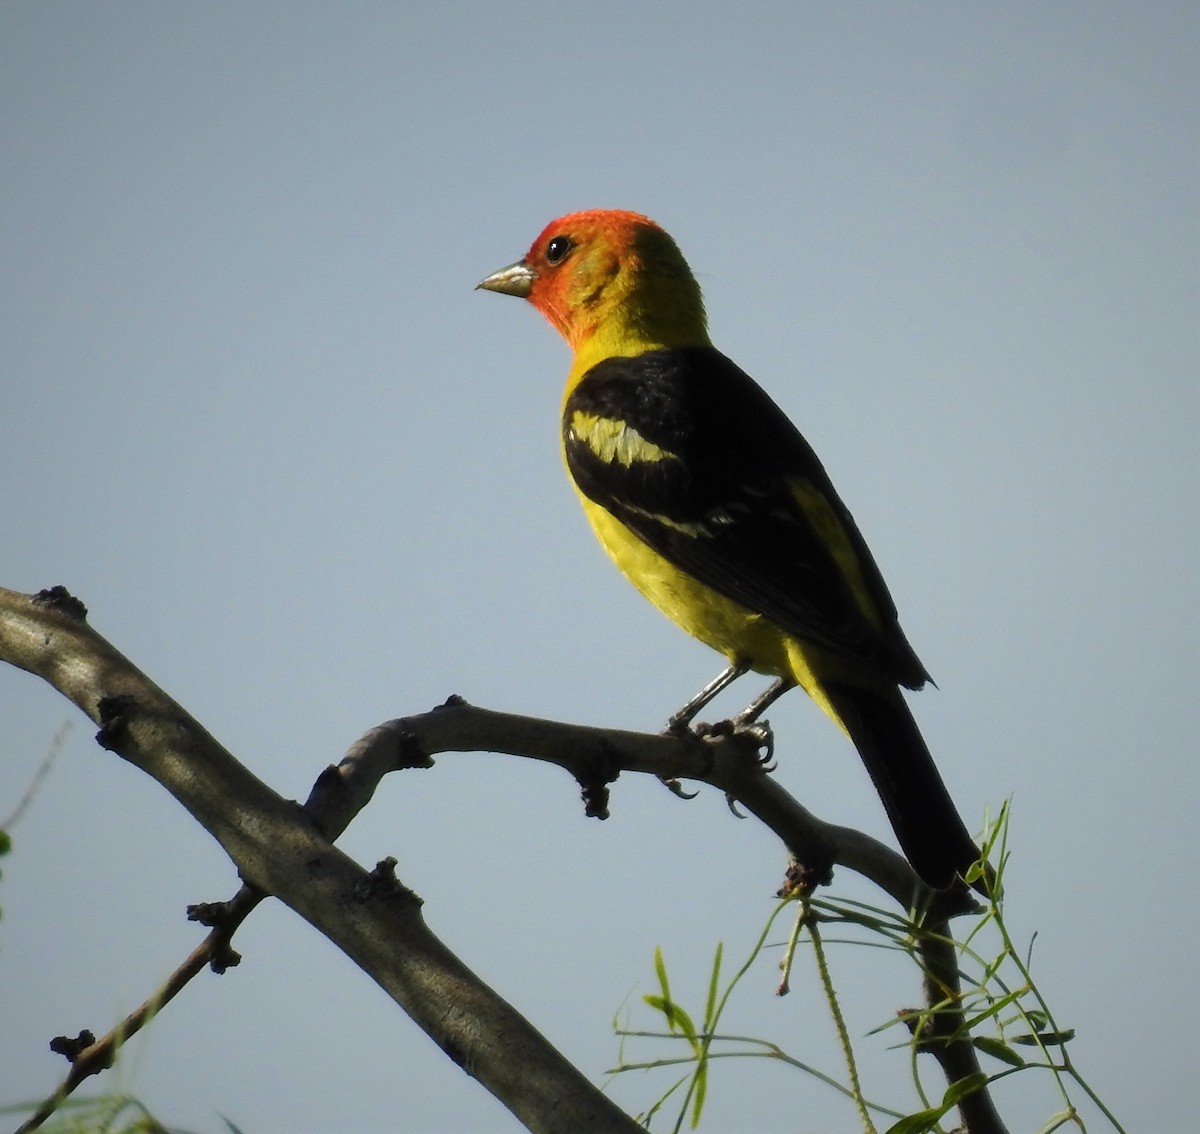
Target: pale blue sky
x=256 y=418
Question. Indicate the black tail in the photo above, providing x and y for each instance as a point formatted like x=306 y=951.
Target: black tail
x=923 y=815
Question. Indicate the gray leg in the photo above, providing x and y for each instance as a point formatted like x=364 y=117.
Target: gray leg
x=723 y=680
x=764 y=701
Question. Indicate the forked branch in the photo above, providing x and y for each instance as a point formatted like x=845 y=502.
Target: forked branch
x=286 y=851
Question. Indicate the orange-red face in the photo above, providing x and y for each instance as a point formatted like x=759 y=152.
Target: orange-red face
x=573 y=272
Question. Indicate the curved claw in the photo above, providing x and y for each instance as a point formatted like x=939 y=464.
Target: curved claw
x=676 y=788
x=763 y=736
x=767 y=758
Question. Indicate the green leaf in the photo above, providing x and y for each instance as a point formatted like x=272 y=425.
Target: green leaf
x=998 y=1049
x=1046 y=1039
x=713 y=989
x=701 y=1092
x=959 y=1089
x=918 y=1123
x=677 y=1018
x=925 y=1120
x=974 y=873
x=992 y=969
x=660 y=967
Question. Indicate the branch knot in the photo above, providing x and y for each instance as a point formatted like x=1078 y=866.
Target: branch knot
x=114 y=713
x=59 y=599
x=72 y=1047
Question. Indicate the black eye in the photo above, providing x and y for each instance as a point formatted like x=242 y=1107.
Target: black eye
x=558 y=249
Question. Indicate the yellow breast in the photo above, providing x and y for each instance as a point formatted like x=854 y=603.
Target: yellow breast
x=721 y=623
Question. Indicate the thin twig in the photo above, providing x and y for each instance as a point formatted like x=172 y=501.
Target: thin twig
x=100 y=1054
x=839 y=1021
x=43 y=770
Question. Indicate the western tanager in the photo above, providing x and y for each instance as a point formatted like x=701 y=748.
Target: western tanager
x=716 y=508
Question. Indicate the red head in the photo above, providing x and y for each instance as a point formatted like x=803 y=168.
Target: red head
x=612 y=274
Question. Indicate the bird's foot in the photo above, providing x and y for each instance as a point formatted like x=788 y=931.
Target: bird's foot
x=752 y=732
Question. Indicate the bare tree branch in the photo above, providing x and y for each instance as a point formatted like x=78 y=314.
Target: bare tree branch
x=725 y=759
x=279 y=850
x=286 y=851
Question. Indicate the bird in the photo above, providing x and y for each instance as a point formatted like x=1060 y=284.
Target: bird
x=716 y=508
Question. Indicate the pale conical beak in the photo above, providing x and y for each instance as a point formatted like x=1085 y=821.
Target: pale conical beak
x=516 y=280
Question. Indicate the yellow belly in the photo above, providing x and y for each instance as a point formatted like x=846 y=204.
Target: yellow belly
x=726 y=626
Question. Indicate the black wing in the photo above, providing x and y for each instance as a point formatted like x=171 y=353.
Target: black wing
x=718 y=481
